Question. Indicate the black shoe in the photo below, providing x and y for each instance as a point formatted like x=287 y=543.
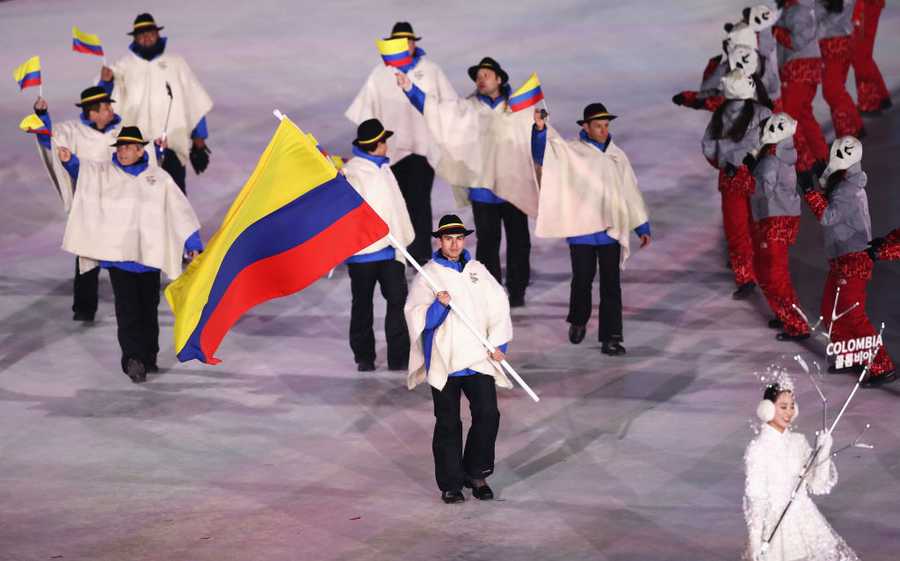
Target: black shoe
x=451 y=497
x=744 y=291
x=517 y=301
x=483 y=493
x=783 y=336
x=83 y=317
x=152 y=368
x=134 y=369
x=612 y=348
x=879 y=380
x=775 y=324
x=577 y=333
x=365 y=366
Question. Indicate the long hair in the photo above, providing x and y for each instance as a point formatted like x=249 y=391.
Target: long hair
x=833 y=181
x=739 y=127
x=761 y=94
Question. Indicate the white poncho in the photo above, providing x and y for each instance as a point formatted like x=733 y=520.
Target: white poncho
x=142 y=101
x=454 y=347
x=378 y=186
x=585 y=190
x=116 y=216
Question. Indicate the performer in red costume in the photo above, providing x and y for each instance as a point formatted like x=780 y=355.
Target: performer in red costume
x=835 y=26
x=872 y=94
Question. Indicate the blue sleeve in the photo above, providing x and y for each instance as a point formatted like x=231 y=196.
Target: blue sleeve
x=416 y=97
x=538 y=144
x=643 y=229
x=200 y=130
x=435 y=315
x=72 y=166
x=44 y=139
x=503 y=347
x=107 y=86
x=194 y=243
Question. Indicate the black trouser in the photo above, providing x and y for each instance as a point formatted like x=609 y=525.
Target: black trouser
x=585 y=261
x=488 y=218
x=415 y=178
x=137 y=304
x=391 y=278
x=86 y=286
x=451 y=464
x=172 y=164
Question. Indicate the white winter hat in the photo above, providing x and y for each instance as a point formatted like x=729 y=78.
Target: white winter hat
x=760 y=17
x=779 y=127
x=743 y=58
x=845 y=152
x=741 y=34
x=736 y=85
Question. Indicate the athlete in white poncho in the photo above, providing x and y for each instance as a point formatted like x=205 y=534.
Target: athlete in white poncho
x=412 y=151
x=158 y=92
x=452 y=360
x=369 y=173
x=590 y=196
x=485 y=156
x=134 y=221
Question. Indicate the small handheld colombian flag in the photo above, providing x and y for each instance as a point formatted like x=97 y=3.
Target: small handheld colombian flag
x=295 y=219
x=28 y=75
x=34 y=125
x=394 y=52
x=529 y=94
x=86 y=43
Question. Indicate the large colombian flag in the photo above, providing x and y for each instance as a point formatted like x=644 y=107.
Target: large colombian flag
x=394 y=52
x=295 y=219
x=86 y=43
x=529 y=94
x=28 y=74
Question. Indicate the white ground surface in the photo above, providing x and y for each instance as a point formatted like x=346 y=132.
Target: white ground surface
x=284 y=451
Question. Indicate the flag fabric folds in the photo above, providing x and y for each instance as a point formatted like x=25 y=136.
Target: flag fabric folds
x=529 y=94
x=394 y=52
x=34 y=124
x=86 y=43
x=294 y=220
x=29 y=74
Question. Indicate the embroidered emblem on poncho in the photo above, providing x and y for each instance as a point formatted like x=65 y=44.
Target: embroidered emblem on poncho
x=473 y=277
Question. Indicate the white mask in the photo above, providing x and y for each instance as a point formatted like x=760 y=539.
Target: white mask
x=779 y=127
x=736 y=85
x=761 y=17
x=741 y=34
x=845 y=152
x=743 y=58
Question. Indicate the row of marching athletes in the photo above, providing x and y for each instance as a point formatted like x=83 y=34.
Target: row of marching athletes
x=764 y=174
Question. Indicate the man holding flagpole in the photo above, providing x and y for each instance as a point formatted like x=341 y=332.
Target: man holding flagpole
x=413 y=151
x=450 y=357
x=158 y=92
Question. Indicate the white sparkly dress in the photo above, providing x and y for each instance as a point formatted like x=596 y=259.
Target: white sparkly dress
x=773 y=463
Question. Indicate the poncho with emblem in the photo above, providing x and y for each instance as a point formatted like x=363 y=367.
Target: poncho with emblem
x=116 y=216
x=584 y=190
x=478 y=295
x=378 y=186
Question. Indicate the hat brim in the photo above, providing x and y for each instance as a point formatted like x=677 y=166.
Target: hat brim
x=473 y=72
x=402 y=37
x=452 y=231
x=606 y=118
x=387 y=135
x=144 y=30
x=118 y=143
x=106 y=99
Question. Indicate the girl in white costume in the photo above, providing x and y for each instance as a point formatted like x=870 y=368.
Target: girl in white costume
x=774 y=461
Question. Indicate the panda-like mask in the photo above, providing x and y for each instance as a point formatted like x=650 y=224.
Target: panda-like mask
x=741 y=34
x=744 y=59
x=780 y=126
x=760 y=18
x=846 y=151
x=737 y=85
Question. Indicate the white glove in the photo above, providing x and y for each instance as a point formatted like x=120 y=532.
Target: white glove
x=824 y=441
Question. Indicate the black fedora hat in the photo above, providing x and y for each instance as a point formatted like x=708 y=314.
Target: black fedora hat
x=370 y=132
x=403 y=30
x=144 y=22
x=596 y=111
x=490 y=64
x=450 y=224
x=94 y=94
x=130 y=135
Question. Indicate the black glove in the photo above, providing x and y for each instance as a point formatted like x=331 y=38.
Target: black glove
x=200 y=158
x=678 y=99
x=834 y=6
x=750 y=161
x=873 y=248
x=730 y=170
x=806 y=182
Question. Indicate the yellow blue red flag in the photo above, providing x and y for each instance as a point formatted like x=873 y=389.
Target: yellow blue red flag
x=86 y=43
x=394 y=52
x=34 y=124
x=295 y=219
x=29 y=74
x=529 y=94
